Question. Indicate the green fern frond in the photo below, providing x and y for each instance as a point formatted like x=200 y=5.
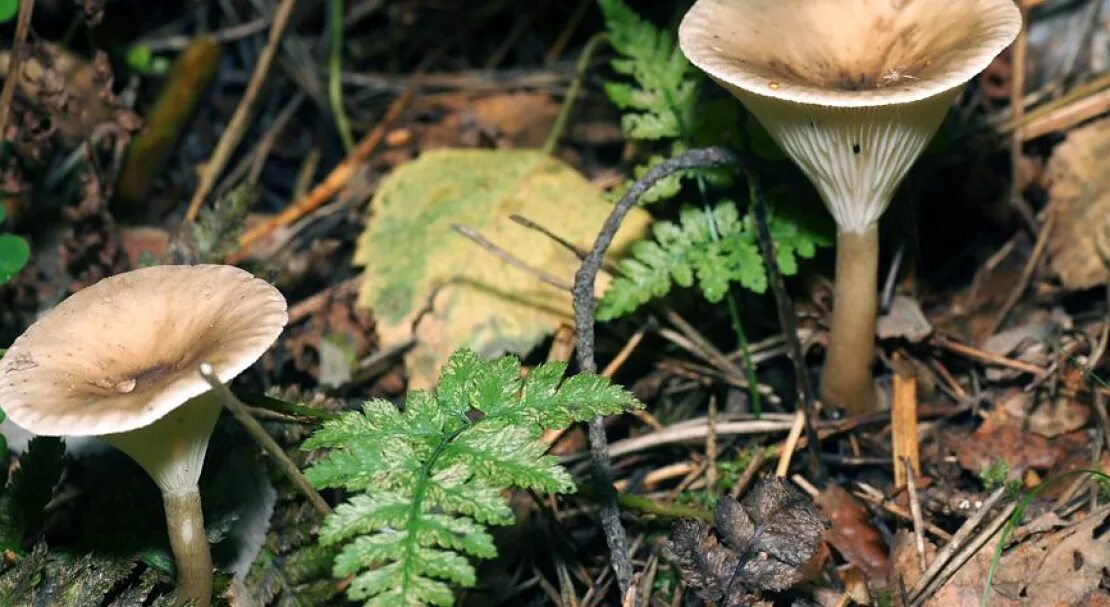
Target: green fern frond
x=794 y=238
x=660 y=100
x=687 y=254
x=429 y=479
x=664 y=85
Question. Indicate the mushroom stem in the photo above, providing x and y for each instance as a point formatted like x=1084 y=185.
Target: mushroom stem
x=172 y=450
x=185 y=523
x=846 y=381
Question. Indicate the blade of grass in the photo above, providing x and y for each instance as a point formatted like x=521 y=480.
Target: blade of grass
x=1015 y=518
x=335 y=73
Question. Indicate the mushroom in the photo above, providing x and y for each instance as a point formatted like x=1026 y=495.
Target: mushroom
x=852 y=90
x=119 y=360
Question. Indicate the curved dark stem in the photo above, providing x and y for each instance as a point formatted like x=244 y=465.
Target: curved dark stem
x=584 y=307
x=788 y=322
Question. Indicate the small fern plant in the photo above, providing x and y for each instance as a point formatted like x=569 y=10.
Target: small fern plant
x=689 y=252
x=427 y=480
x=660 y=100
x=662 y=108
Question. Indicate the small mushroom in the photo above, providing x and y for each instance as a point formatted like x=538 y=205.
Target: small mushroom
x=119 y=360
x=852 y=90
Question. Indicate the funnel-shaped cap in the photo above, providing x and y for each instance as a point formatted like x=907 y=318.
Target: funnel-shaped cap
x=851 y=89
x=123 y=353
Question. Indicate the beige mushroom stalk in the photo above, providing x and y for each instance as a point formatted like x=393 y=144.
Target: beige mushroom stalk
x=119 y=360
x=852 y=90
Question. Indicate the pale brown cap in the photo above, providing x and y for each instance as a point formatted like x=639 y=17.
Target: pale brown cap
x=852 y=90
x=124 y=352
x=847 y=53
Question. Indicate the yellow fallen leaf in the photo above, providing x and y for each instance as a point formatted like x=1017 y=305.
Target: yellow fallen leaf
x=425 y=280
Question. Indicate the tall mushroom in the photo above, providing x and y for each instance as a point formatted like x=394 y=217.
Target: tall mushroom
x=119 y=360
x=852 y=90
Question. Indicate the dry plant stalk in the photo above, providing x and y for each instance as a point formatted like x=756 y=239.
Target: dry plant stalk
x=23 y=24
x=330 y=186
x=585 y=307
x=792 y=439
x=240 y=120
x=903 y=420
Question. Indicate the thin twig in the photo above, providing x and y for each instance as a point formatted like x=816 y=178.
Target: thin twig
x=703 y=348
x=509 y=258
x=1026 y=276
x=330 y=186
x=579 y=252
x=19 y=51
x=957 y=541
x=986 y=357
x=748 y=476
x=566 y=244
x=376 y=363
x=265 y=144
x=572 y=93
x=567 y=32
x=1093 y=362
x=1072 y=97
x=1095 y=359
x=965 y=555
x=240 y=120
x=915 y=512
x=788 y=323
x=891 y=278
x=787 y=454
x=645 y=505
x=267 y=442
x=584 y=309
x=228 y=34
x=566 y=587
x=658 y=475
x=689 y=432
x=618 y=361
x=727 y=372
x=1017 y=93
x=876 y=497
x=711 y=448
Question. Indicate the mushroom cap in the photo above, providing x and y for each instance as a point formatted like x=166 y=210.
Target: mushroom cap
x=847 y=53
x=124 y=352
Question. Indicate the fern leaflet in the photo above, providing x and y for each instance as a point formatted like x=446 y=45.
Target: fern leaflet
x=428 y=479
x=710 y=247
x=659 y=100
x=661 y=103
x=687 y=254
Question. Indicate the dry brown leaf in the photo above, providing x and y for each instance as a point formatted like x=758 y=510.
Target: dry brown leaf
x=1079 y=246
x=1058 y=569
x=853 y=536
x=970 y=314
x=1052 y=416
x=1000 y=437
x=904 y=320
x=905 y=566
x=140 y=241
x=965 y=587
x=512 y=120
x=1098 y=598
